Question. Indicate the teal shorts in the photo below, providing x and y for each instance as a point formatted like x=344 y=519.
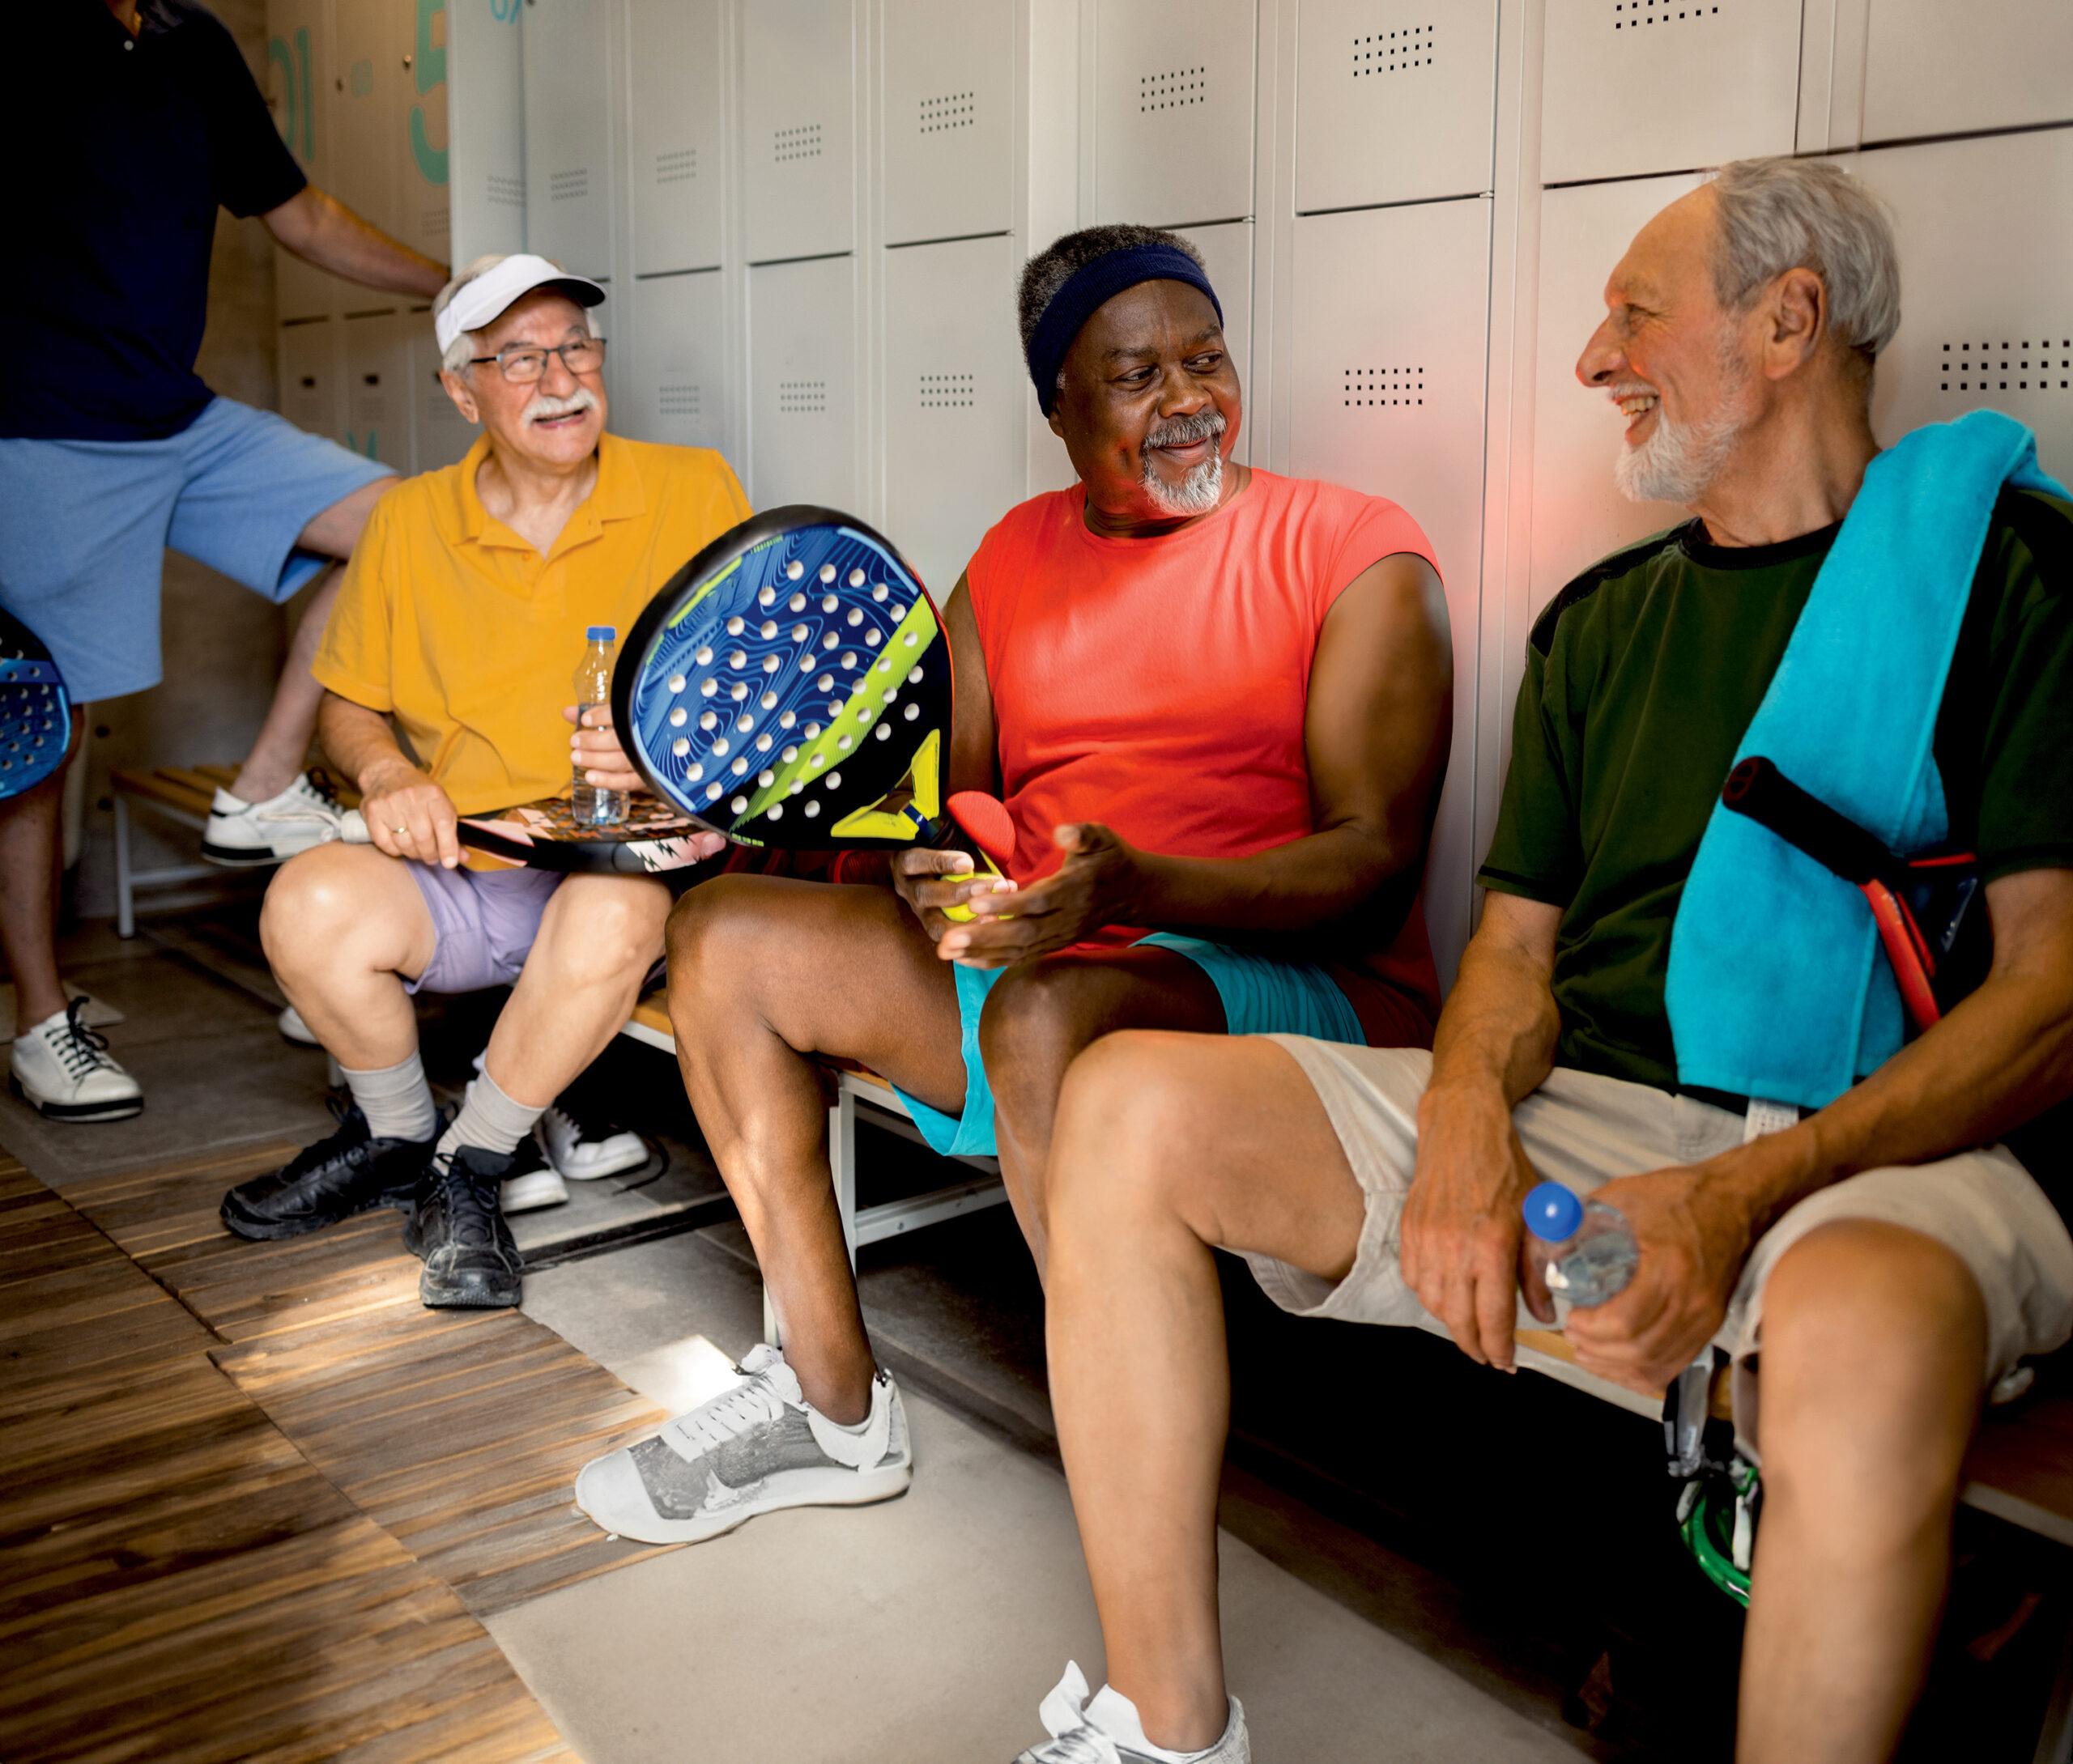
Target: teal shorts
x=1260 y=996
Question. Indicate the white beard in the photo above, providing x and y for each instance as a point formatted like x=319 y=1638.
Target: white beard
x=1679 y=461
x=1196 y=493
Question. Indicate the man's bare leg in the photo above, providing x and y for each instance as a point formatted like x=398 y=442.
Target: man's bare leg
x=1874 y=1346
x=282 y=748
x=765 y=972
x=598 y=939
x=31 y=843
x=1163 y=1146
x=344 y=926
x=1042 y=1014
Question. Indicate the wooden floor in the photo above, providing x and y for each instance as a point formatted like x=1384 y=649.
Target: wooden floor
x=253 y=1498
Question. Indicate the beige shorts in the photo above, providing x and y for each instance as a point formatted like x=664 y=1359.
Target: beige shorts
x=1583 y=1129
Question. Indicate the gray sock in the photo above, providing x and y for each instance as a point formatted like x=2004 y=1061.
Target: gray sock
x=395 y=1099
x=490 y=1120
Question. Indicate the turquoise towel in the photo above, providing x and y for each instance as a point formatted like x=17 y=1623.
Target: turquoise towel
x=1777 y=986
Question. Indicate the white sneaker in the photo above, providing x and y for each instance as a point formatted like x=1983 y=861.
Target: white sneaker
x=536 y=1188
x=307 y=813
x=759 y=1447
x=293 y=1028
x=584 y=1146
x=1105 y=1729
x=61 y=1068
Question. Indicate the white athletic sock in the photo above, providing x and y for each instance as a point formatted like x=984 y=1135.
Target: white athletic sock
x=489 y=1119
x=1116 y=1715
x=395 y=1099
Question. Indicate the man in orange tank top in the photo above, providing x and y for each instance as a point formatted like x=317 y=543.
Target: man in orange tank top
x=1215 y=703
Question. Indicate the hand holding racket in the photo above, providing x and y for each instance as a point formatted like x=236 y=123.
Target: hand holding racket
x=1097 y=886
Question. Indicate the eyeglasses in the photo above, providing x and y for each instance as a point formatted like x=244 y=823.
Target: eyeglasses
x=523 y=363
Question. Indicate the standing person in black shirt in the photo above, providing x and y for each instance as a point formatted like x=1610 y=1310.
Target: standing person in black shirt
x=111 y=448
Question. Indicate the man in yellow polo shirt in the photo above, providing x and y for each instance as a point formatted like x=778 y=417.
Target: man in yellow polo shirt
x=462 y=618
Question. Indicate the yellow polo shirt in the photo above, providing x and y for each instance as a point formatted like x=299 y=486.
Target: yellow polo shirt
x=455 y=625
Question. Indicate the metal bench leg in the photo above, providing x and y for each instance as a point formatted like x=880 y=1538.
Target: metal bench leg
x=2055 y=1742
x=125 y=902
x=842 y=1162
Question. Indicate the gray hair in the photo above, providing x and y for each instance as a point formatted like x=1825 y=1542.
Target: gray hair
x=1053 y=266
x=1777 y=214
x=468 y=344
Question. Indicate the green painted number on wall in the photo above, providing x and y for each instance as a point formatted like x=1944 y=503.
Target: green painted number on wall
x=430 y=65
x=295 y=86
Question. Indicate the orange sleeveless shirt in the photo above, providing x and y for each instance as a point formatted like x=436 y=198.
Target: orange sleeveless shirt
x=1158 y=686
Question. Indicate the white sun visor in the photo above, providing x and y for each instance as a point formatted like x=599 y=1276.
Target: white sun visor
x=491 y=292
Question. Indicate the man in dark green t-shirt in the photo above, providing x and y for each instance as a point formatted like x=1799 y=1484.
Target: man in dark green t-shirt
x=1893 y=1254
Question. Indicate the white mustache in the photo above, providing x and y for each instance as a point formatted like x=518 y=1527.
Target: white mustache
x=545 y=404
x=1205 y=425
x=1631 y=388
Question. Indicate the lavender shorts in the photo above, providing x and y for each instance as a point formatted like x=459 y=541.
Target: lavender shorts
x=485 y=921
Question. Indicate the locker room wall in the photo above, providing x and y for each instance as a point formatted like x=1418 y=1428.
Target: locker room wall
x=813 y=212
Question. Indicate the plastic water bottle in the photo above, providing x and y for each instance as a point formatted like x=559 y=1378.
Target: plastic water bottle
x=592 y=806
x=1589 y=1248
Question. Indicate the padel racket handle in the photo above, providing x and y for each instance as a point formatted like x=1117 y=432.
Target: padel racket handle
x=964 y=914
x=1758 y=789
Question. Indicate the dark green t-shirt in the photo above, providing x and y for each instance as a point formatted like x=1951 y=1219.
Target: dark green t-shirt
x=1641 y=678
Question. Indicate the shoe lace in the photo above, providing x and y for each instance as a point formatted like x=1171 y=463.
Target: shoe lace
x=469 y=1221
x=1079 y=1745
x=585 y=1125
x=728 y=1417
x=350 y=1134
x=81 y=1048
x=320 y=783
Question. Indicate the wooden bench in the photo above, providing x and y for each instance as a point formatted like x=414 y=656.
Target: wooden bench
x=854 y=1088
x=177 y=793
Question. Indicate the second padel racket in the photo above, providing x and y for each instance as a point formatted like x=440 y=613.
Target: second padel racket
x=36 y=711
x=653 y=839
x=790 y=686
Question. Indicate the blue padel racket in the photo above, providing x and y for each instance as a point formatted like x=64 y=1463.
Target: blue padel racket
x=36 y=711
x=790 y=686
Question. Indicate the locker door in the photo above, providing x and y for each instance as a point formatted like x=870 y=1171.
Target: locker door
x=485 y=128
x=298 y=94
x=1388 y=397
x=1173 y=111
x=364 y=121
x=1227 y=252
x=949 y=157
x=802 y=383
x=1632 y=87
x=568 y=133
x=954 y=401
x=378 y=404
x=1578 y=513
x=439 y=434
x=2001 y=64
x=423 y=205
x=1394 y=103
x=679 y=375
x=798 y=155
x=680 y=167
x=2002 y=339
x=309 y=375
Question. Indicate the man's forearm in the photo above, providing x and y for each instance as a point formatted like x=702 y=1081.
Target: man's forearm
x=357 y=742
x=321 y=230
x=1500 y=1027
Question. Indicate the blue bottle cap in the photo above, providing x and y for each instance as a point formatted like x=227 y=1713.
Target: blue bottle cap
x=610 y=633
x=1552 y=1213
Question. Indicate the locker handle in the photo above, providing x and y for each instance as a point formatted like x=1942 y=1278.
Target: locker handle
x=308 y=381
x=373 y=379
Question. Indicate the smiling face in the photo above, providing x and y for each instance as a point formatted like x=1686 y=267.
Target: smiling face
x=1150 y=407
x=554 y=422
x=1673 y=359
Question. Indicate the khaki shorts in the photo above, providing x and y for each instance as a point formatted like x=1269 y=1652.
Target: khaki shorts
x=1582 y=1129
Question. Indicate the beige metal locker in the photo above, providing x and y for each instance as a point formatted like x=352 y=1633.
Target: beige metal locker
x=798 y=128
x=299 y=93
x=364 y=123
x=678 y=384
x=377 y=402
x=311 y=374
x=949 y=105
x=802 y=383
x=1932 y=68
x=485 y=124
x=1227 y=252
x=569 y=53
x=677 y=128
x=439 y=434
x=423 y=199
x=1174 y=110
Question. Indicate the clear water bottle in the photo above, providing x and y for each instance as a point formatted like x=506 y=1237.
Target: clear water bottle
x=594 y=807
x=1588 y=1247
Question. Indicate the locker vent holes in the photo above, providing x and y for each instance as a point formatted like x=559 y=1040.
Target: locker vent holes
x=802 y=397
x=1631 y=14
x=678 y=401
x=1362 y=389
x=505 y=189
x=953 y=110
x=1172 y=90
x=1384 y=52
x=680 y=167
x=802 y=142
x=570 y=186
x=2007 y=366
x=947 y=392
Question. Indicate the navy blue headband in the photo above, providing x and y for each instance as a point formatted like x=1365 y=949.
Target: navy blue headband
x=1091 y=286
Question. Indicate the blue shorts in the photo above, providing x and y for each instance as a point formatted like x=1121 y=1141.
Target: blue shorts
x=1260 y=995
x=84 y=526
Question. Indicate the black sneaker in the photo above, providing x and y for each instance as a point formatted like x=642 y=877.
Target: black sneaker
x=470 y=1257
x=348 y=1173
